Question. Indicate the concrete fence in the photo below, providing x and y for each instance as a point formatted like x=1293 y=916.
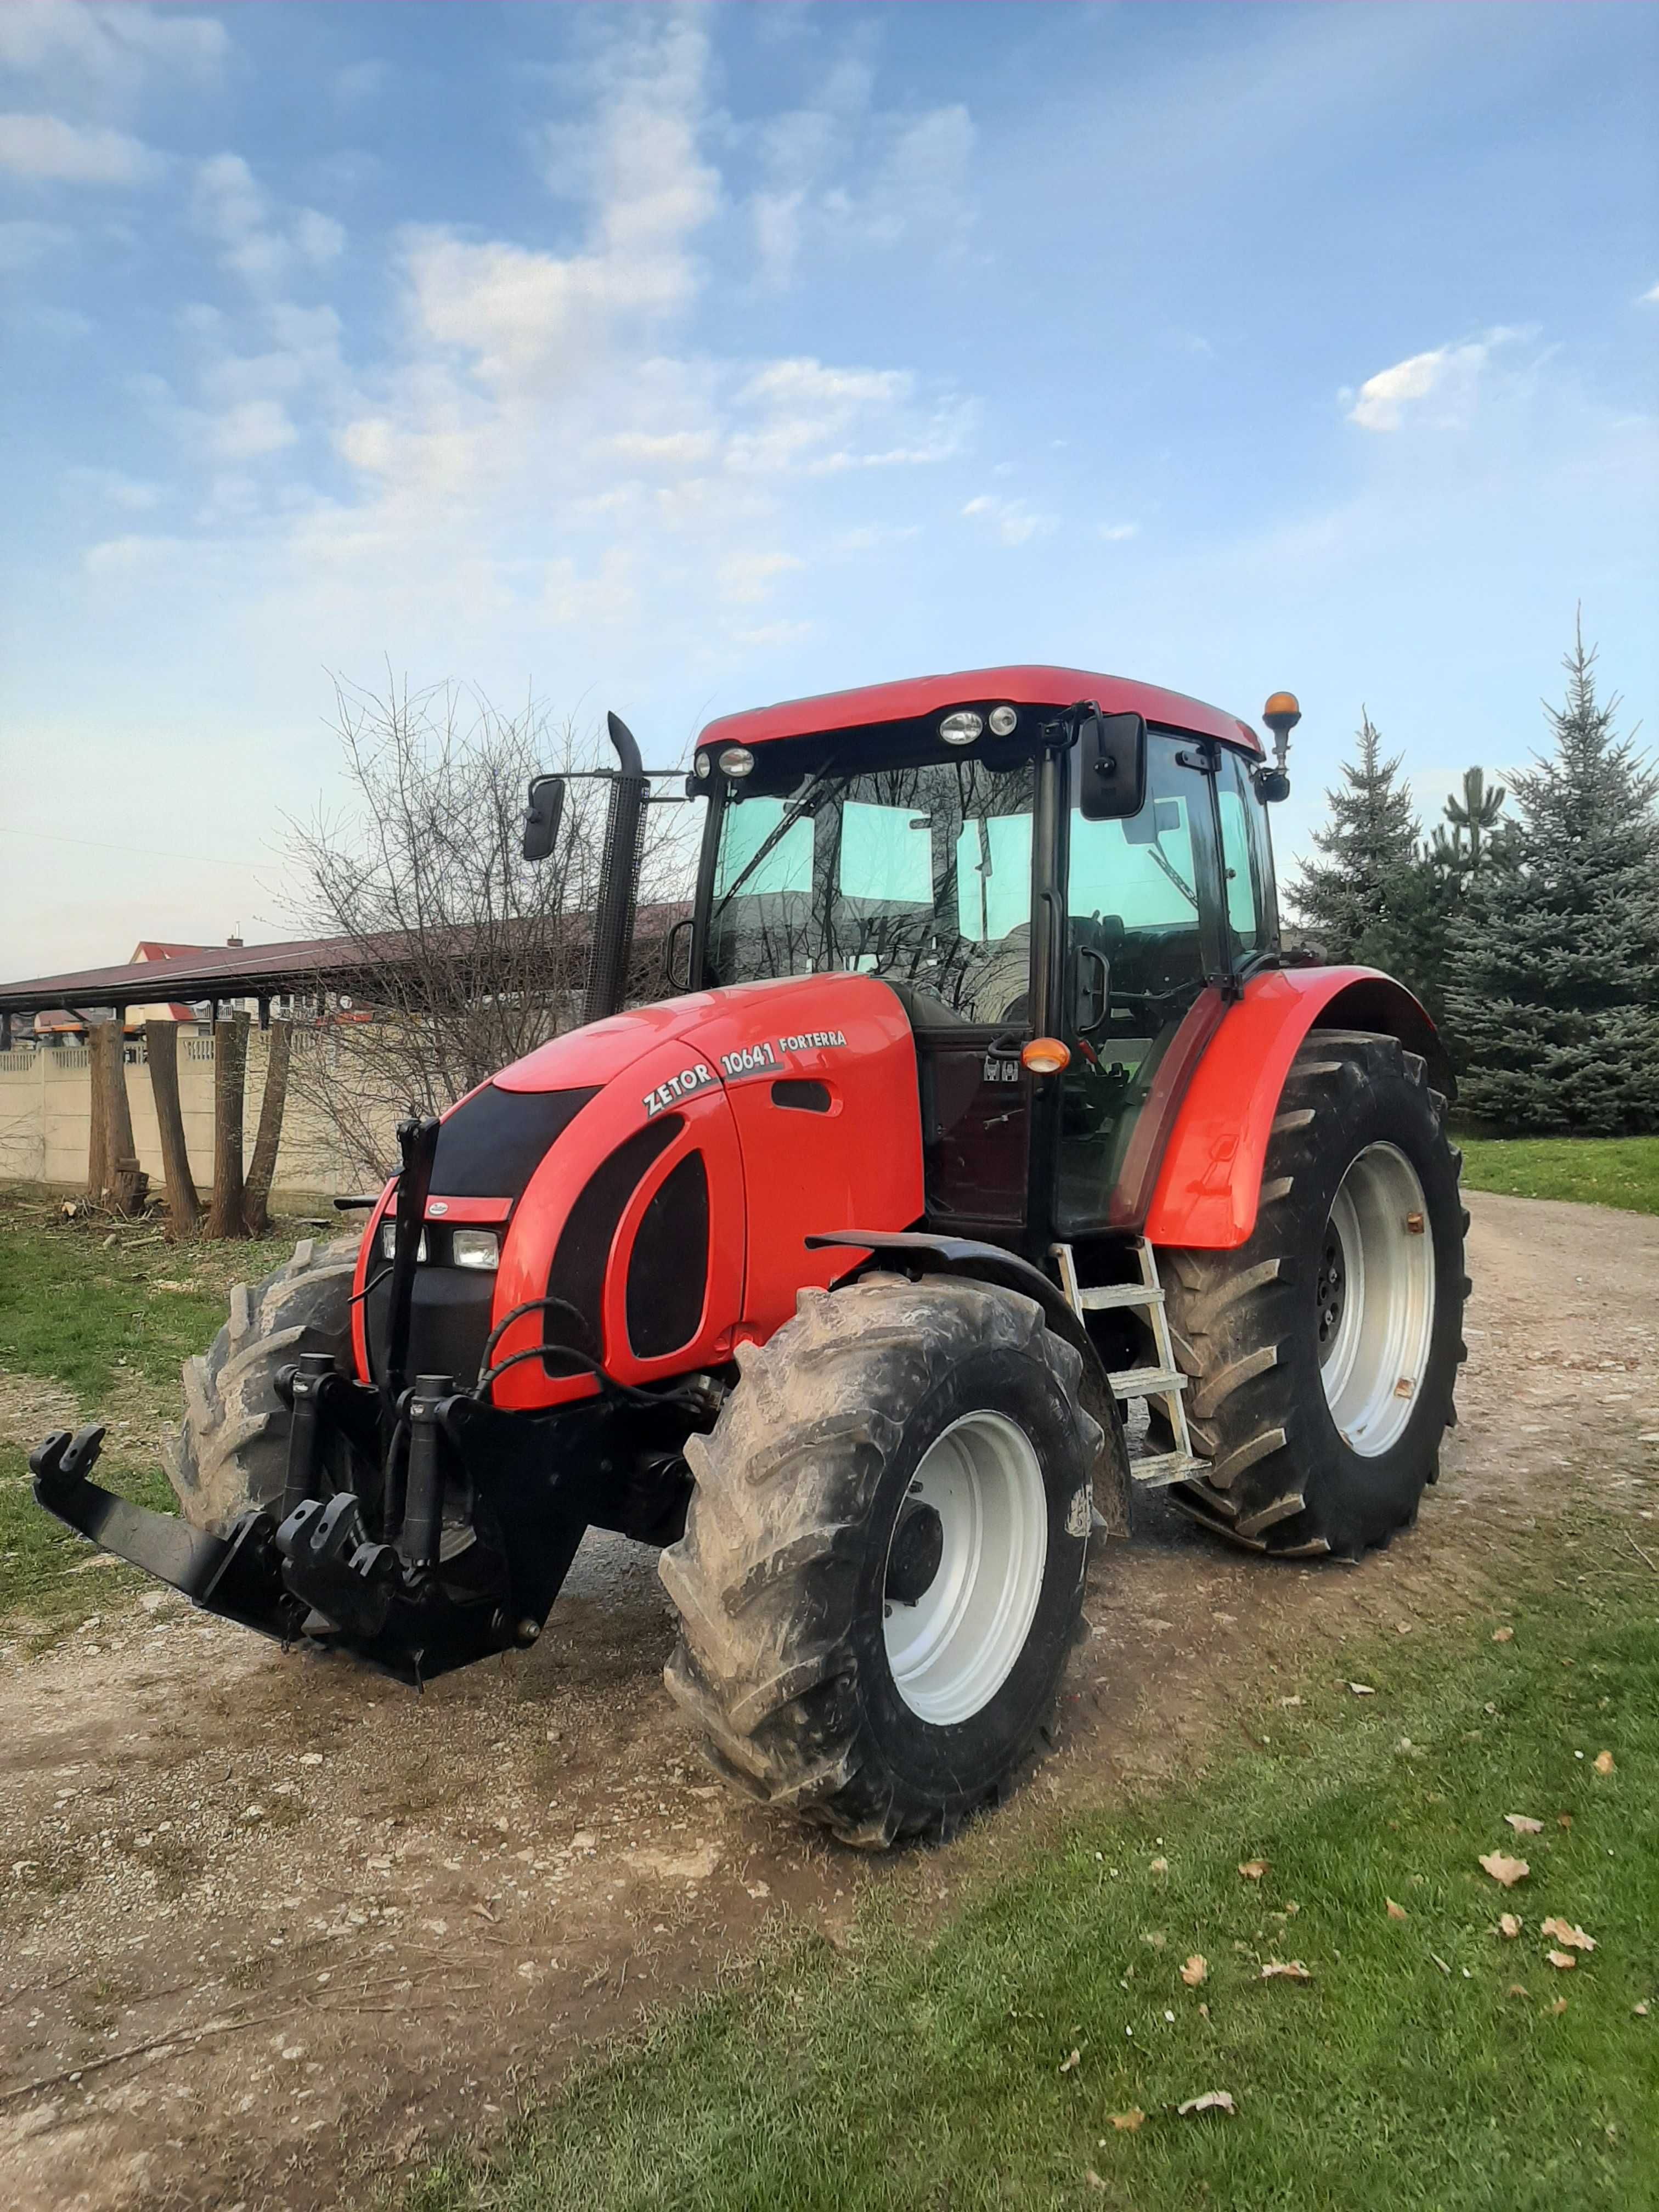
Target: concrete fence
x=46 y=1117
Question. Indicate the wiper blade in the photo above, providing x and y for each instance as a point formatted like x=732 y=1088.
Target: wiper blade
x=805 y=795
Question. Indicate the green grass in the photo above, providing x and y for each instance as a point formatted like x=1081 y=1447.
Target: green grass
x=1620 y=1171
x=86 y=1313
x=925 y=2070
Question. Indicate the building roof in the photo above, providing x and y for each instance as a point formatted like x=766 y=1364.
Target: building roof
x=254 y=971
x=919 y=695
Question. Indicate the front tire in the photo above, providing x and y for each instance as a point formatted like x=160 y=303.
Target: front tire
x=882 y=1571
x=1323 y=1353
x=231 y=1452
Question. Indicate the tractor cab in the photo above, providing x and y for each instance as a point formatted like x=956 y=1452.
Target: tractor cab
x=1055 y=873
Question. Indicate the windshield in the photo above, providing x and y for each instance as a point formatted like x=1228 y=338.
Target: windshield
x=921 y=875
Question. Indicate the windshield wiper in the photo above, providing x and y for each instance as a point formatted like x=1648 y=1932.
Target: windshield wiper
x=806 y=793
x=1162 y=860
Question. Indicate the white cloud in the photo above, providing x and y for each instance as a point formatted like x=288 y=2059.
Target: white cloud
x=250 y=429
x=22 y=243
x=129 y=492
x=1012 y=522
x=360 y=81
x=131 y=556
x=841 y=175
x=1449 y=371
x=319 y=238
x=52 y=151
x=747 y=578
x=108 y=49
x=1115 y=532
x=1650 y=299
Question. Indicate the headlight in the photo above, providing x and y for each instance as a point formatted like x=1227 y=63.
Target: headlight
x=737 y=760
x=962 y=728
x=702 y=766
x=476 y=1248
x=1003 y=721
x=389 y=1241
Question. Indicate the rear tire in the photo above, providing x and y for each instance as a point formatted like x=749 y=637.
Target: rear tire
x=1323 y=1353
x=881 y=1571
x=231 y=1453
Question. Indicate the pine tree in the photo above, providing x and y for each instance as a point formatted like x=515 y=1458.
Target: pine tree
x=1555 y=987
x=1345 y=903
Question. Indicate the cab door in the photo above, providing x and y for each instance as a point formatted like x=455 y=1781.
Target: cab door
x=1145 y=919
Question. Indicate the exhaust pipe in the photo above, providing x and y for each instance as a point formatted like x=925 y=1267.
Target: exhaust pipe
x=619 y=869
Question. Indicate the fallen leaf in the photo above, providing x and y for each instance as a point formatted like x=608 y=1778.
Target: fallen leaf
x=1518 y=1989
x=1067 y=2063
x=1604 y=1762
x=1290 y=1701
x=1564 y=1819
x=1362 y=1689
x=1252 y=1870
x=1395 y=1911
x=1285 y=1969
x=1159 y=1866
x=1508 y=1925
x=1440 y=1962
x=1213 y=2100
x=1574 y=1938
x=1092 y=2178
x=1127 y=2123
x=1204 y=2011
x=1402 y=1628
x=1196 y=1968
x=1507 y=1870
x=1502 y=1635
x=1561 y=1959
x=1523 y=1825
x=1641 y=2009
x=1560 y=2006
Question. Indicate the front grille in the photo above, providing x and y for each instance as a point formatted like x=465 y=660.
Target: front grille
x=448 y=1322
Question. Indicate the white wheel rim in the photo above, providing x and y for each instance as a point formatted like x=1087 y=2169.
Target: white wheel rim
x=1375 y=1286
x=954 y=1648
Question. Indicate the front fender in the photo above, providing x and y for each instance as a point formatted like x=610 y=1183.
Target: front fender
x=1210 y=1182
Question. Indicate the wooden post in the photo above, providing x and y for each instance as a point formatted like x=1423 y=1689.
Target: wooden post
x=100 y=1174
x=256 y=1202
x=184 y=1206
x=229 y=1071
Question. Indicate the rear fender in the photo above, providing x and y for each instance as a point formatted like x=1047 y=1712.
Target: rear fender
x=1210 y=1183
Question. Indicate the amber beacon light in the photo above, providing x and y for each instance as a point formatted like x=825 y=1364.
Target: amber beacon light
x=1046 y=1055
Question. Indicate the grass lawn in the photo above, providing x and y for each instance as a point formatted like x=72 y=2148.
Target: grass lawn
x=93 y=1315
x=1427 y=2061
x=1620 y=1171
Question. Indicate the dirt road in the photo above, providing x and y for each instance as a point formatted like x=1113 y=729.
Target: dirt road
x=269 y=1928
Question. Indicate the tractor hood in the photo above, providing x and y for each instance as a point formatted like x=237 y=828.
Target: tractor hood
x=798 y=1025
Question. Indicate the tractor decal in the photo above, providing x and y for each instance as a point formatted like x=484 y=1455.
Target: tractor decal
x=685 y=1085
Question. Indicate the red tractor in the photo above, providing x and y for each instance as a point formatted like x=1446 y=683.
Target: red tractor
x=990 y=1112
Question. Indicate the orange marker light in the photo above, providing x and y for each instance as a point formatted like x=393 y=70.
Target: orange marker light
x=1045 y=1055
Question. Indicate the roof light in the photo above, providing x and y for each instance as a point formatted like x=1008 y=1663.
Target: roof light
x=703 y=767
x=737 y=760
x=1046 y=1055
x=962 y=728
x=1004 y=720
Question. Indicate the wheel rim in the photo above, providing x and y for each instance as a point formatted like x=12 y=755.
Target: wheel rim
x=1374 y=1292
x=961 y=1596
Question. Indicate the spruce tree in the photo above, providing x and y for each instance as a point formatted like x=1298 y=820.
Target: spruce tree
x=1554 y=967
x=1344 y=902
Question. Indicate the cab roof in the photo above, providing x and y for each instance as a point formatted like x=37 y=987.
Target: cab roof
x=918 y=697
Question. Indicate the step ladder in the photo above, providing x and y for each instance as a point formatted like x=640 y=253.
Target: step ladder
x=1162 y=1383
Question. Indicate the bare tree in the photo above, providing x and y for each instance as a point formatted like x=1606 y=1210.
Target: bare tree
x=464 y=956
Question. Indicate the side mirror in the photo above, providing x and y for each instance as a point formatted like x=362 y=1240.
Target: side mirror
x=541 y=821
x=1092 y=991
x=1111 y=755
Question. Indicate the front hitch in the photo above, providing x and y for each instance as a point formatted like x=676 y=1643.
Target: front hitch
x=436 y=1592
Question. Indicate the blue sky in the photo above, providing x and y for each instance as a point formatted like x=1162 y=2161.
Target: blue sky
x=674 y=359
